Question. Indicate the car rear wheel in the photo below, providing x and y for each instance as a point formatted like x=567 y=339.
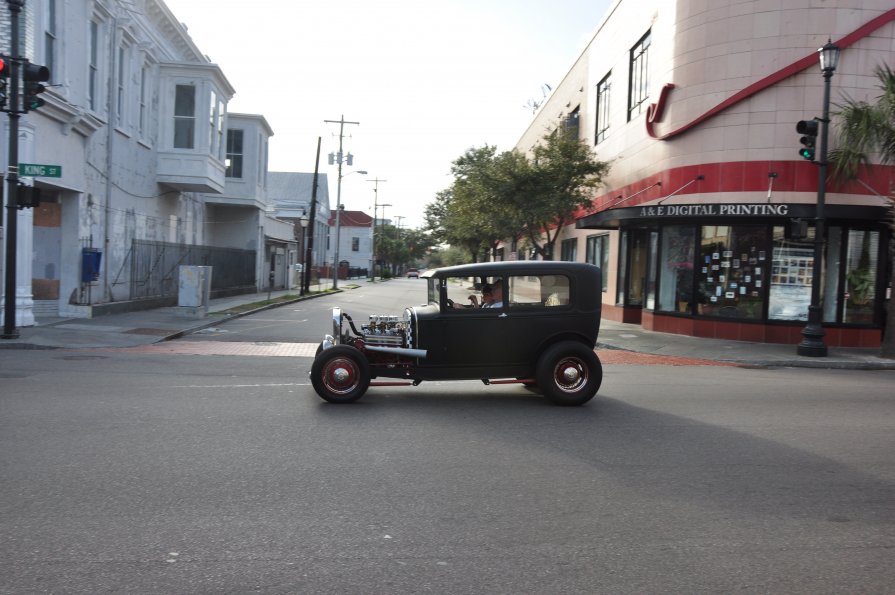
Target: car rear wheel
x=340 y=374
x=569 y=373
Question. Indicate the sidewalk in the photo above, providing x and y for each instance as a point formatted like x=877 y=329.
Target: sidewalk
x=144 y=327
x=616 y=335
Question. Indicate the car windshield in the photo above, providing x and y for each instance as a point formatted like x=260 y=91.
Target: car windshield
x=432 y=291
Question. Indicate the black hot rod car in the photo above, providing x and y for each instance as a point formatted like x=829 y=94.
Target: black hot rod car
x=529 y=322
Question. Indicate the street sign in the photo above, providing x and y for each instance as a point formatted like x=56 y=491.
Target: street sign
x=38 y=170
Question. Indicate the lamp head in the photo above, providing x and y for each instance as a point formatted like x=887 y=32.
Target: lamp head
x=829 y=57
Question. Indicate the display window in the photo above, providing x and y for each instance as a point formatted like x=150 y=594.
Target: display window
x=792 y=269
x=678 y=245
x=732 y=271
x=861 y=262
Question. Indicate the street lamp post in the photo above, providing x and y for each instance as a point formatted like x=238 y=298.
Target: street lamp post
x=812 y=344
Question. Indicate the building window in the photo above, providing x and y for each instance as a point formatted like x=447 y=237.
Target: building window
x=571 y=123
x=639 y=79
x=733 y=271
x=93 y=67
x=597 y=253
x=602 y=110
x=355 y=244
x=677 y=248
x=184 y=117
x=219 y=142
x=144 y=101
x=50 y=37
x=121 y=91
x=569 y=250
x=212 y=124
x=234 y=153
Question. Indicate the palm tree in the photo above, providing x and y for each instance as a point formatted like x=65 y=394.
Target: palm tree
x=864 y=129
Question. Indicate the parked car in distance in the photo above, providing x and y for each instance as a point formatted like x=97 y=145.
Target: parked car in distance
x=528 y=322
x=413 y=273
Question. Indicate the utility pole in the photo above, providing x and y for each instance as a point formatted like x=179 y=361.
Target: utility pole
x=309 y=230
x=375 y=206
x=341 y=122
x=12 y=174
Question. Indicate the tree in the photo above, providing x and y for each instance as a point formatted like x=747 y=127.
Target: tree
x=496 y=196
x=558 y=181
x=865 y=129
x=399 y=248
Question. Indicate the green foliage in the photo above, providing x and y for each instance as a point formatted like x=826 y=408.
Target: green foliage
x=498 y=196
x=400 y=248
x=866 y=129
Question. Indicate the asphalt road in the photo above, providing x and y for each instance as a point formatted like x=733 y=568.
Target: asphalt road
x=131 y=471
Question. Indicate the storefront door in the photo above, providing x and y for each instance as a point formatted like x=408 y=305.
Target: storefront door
x=633 y=261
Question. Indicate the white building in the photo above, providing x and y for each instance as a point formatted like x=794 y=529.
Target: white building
x=355 y=243
x=137 y=119
x=292 y=196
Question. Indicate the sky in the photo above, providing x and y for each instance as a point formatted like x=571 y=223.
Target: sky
x=424 y=80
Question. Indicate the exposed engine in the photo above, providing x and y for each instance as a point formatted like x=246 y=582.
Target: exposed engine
x=386 y=331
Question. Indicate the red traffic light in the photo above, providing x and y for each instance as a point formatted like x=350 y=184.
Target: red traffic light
x=4 y=67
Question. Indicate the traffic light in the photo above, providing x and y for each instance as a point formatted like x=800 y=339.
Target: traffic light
x=807 y=128
x=4 y=79
x=28 y=197
x=33 y=75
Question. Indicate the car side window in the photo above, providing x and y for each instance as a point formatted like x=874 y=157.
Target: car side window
x=539 y=291
x=459 y=290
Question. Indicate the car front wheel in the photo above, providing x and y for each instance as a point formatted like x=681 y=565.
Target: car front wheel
x=340 y=374
x=569 y=373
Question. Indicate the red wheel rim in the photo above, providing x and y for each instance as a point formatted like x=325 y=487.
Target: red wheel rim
x=340 y=376
x=570 y=374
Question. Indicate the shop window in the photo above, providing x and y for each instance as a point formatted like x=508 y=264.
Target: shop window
x=597 y=253
x=830 y=280
x=733 y=266
x=860 y=277
x=650 y=283
x=633 y=259
x=676 y=269
x=622 y=268
x=792 y=270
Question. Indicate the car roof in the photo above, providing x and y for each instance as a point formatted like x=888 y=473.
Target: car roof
x=512 y=267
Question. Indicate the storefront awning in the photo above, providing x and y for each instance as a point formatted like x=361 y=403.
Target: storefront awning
x=654 y=214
